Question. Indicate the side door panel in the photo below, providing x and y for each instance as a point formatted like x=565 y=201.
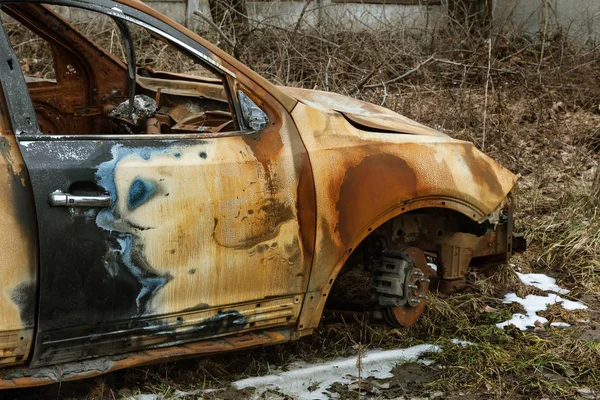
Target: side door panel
x=18 y=247
x=18 y=251
x=196 y=226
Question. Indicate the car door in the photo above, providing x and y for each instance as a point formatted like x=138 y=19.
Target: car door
x=153 y=240
x=18 y=248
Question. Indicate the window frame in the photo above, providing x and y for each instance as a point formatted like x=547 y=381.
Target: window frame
x=53 y=61
x=177 y=39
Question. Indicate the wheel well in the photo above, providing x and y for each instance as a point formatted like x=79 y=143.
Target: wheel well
x=424 y=228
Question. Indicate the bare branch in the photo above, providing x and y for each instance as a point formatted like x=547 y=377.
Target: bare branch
x=404 y=75
x=215 y=27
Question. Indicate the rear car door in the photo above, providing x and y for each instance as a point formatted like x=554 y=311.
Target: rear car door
x=151 y=240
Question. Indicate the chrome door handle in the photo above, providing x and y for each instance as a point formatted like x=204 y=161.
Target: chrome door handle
x=60 y=199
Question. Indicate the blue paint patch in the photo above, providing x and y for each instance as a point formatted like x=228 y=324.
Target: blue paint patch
x=130 y=250
x=140 y=192
x=150 y=284
x=106 y=171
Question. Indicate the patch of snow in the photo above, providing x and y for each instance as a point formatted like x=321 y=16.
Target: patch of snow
x=463 y=343
x=523 y=321
x=559 y=324
x=571 y=305
x=534 y=304
x=301 y=377
x=144 y=397
x=542 y=281
x=432 y=266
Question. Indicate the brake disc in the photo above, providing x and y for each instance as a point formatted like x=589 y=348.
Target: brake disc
x=402 y=283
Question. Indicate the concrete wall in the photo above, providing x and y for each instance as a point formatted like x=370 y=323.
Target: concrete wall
x=348 y=15
x=331 y=14
x=577 y=18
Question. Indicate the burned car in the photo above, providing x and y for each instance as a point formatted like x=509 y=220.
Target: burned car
x=154 y=215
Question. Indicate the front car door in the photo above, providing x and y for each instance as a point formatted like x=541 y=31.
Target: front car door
x=154 y=239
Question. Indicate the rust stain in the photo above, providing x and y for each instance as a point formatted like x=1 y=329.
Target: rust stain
x=220 y=216
x=365 y=185
x=306 y=206
x=487 y=171
x=19 y=378
x=267 y=145
x=363 y=179
x=18 y=263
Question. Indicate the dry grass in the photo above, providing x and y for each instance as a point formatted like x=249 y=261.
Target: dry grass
x=542 y=122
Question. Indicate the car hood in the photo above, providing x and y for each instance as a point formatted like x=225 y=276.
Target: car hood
x=363 y=115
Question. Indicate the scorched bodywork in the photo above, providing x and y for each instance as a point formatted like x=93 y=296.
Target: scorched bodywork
x=151 y=215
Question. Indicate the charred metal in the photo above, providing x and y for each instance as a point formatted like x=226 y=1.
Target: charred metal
x=179 y=214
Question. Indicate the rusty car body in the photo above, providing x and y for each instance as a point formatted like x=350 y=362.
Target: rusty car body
x=210 y=213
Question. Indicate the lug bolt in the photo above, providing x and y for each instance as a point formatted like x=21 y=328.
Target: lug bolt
x=422 y=296
x=425 y=280
x=415 y=301
x=412 y=286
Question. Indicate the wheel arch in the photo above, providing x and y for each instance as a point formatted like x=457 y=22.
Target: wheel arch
x=316 y=298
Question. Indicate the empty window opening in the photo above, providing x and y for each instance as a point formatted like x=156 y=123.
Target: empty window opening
x=76 y=64
x=33 y=53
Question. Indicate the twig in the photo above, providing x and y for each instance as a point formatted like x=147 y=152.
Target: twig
x=319 y=38
x=359 y=366
x=36 y=39
x=363 y=81
x=300 y=18
x=215 y=27
x=458 y=64
x=544 y=34
x=404 y=75
x=327 y=74
x=596 y=185
x=487 y=81
x=384 y=95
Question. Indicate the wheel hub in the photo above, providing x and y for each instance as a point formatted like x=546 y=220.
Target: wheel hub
x=401 y=283
x=416 y=286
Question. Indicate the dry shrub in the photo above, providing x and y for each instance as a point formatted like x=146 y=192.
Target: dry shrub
x=541 y=121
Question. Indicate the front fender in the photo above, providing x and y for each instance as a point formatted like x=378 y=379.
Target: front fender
x=365 y=178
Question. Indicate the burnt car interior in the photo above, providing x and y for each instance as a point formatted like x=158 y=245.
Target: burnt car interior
x=89 y=90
